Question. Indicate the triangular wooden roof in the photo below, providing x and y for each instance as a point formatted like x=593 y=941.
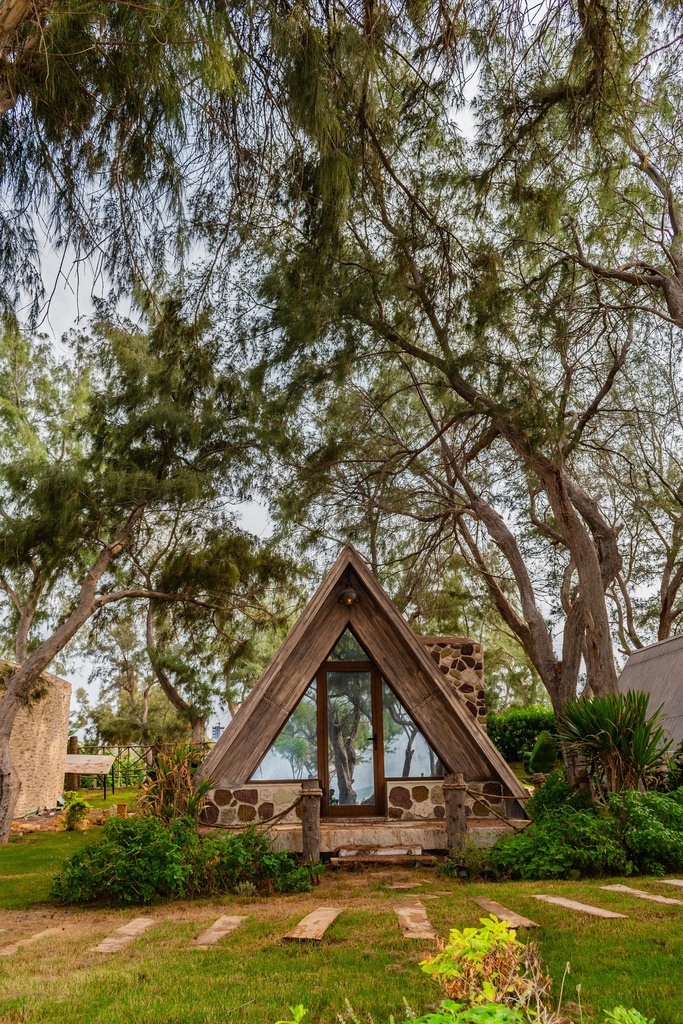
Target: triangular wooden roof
x=459 y=742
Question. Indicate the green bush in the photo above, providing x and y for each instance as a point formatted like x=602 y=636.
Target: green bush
x=138 y=860
x=564 y=843
x=554 y=793
x=76 y=809
x=651 y=828
x=516 y=730
x=641 y=832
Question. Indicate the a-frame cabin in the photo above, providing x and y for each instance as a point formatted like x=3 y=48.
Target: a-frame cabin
x=355 y=699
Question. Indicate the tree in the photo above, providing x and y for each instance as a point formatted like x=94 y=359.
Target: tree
x=103 y=106
x=479 y=354
x=162 y=430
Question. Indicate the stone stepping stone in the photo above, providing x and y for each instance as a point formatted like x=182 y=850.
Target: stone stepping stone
x=582 y=908
x=639 y=894
x=312 y=927
x=225 y=925
x=503 y=914
x=404 y=885
x=123 y=935
x=414 y=922
x=672 y=881
x=29 y=940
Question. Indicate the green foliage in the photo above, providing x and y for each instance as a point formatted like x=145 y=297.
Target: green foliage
x=450 y=1012
x=544 y=755
x=554 y=793
x=651 y=829
x=76 y=809
x=136 y=861
x=516 y=730
x=298 y=1013
x=476 y=858
x=641 y=832
x=169 y=790
x=620 y=1015
x=490 y=965
x=139 y=860
x=563 y=843
x=621 y=745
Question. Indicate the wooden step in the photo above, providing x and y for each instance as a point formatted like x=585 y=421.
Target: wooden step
x=379 y=851
x=581 y=908
x=428 y=859
x=29 y=940
x=503 y=914
x=123 y=935
x=641 y=895
x=221 y=928
x=414 y=922
x=312 y=927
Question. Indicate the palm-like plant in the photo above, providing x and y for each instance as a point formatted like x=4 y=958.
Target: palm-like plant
x=621 y=746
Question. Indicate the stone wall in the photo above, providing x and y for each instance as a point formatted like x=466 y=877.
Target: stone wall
x=462 y=662
x=415 y=800
x=254 y=801
x=38 y=742
x=407 y=800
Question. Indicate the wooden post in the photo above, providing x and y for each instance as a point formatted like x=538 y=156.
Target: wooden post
x=71 y=781
x=455 y=792
x=310 y=819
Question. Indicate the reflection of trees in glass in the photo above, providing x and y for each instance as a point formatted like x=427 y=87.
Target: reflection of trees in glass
x=349 y=718
x=400 y=728
x=298 y=741
x=347 y=648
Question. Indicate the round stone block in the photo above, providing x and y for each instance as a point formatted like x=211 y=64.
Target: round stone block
x=247 y=796
x=436 y=795
x=245 y=812
x=222 y=797
x=420 y=793
x=209 y=815
x=439 y=812
x=400 y=797
x=266 y=810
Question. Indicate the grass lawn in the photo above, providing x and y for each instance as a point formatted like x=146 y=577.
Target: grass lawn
x=124 y=795
x=252 y=976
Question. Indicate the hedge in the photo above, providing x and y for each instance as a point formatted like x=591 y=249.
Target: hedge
x=515 y=731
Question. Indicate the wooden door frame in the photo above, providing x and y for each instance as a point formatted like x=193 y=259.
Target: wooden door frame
x=378 y=809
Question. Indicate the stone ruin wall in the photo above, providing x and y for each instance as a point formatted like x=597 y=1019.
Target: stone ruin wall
x=462 y=662
x=38 y=745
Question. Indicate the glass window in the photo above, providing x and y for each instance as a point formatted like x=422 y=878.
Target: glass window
x=294 y=755
x=407 y=755
x=347 y=648
x=350 y=738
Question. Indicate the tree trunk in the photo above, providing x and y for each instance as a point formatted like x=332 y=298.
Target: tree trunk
x=21 y=683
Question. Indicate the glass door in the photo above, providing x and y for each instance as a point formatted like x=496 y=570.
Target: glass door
x=350 y=722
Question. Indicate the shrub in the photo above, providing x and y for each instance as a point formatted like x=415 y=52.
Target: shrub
x=516 y=730
x=555 y=793
x=621 y=745
x=543 y=757
x=489 y=965
x=651 y=829
x=563 y=843
x=138 y=860
x=76 y=810
x=169 y=791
